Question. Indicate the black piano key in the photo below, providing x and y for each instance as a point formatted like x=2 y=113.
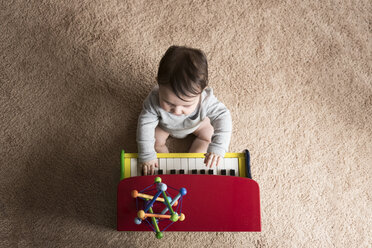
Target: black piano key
x=182 y=171
x=223 y=172
x=210 y=172
x=194 y=171
x=202 y=172
x=173 y=171
x=160 y=172
x=232 y=172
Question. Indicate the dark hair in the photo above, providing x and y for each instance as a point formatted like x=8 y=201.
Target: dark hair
x=184 y=69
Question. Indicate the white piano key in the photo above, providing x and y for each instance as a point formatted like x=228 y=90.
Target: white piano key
x=191 y=164
x=184 y=165
x=170 y=165
x=228 y=165
x=232 y=163
x=235 y=164
x=215 y=170
x=133 y=167
x=163 y=165
x=177 y=164
x=199 y=165
x=221 y=166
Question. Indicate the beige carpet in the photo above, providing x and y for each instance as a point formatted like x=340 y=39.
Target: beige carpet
x=295 y=75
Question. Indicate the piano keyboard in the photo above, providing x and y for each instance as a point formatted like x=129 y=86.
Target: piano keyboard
x=233 y=164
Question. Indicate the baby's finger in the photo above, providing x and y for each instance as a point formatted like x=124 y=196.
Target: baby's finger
x=151 y=170
x=214 y=160
x=218 y=160
x=208 y=161
x=206 y=155
x=144 y=170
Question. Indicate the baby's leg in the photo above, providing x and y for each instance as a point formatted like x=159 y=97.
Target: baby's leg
x=160 y=139
x=203 y=137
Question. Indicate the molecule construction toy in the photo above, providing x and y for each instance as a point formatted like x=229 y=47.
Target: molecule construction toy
x=155 y=212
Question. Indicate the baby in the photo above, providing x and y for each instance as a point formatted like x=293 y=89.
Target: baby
x=182 y=104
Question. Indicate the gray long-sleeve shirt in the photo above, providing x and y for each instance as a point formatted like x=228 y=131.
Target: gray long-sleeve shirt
x=153 y=115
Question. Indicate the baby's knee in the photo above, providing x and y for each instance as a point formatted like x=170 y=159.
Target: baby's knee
x=159 y=142
x=160 y=136
x=206 y=133
x=160 y=146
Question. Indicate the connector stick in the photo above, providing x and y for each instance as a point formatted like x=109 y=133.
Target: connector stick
x=167 y=203
x=175 y=199
x=135 y=194
x=149 y=204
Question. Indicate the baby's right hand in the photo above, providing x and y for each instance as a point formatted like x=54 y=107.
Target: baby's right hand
x=148 y=167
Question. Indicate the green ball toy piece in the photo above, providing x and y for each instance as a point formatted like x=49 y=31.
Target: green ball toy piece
x=157 y=180
x=159 y=235
x=174 y=217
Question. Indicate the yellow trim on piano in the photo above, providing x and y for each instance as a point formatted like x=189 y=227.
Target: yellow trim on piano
x=188 y=155
x=242 y=170
x=127 y=166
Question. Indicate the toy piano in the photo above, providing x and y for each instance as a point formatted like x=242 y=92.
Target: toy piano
x=222 y=199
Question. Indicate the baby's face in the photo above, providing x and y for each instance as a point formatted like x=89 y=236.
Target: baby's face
x=172 y=104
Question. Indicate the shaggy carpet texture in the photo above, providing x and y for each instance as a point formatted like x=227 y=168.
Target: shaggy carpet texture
x=296 y=76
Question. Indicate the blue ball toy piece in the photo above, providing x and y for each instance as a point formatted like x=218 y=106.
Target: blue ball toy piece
x=161 y=186
x=169 y=198
x=137 y=221
x=183 y=191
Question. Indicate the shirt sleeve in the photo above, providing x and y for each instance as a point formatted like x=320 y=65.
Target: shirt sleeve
x=147 y=122
x=221 y=121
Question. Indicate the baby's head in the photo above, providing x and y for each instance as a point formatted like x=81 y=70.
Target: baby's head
x=182 y=77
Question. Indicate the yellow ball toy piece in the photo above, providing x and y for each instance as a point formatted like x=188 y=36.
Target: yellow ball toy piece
x=141 y=214
x=182 y=217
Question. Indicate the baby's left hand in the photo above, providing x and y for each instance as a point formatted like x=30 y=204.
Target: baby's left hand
x=211 y=159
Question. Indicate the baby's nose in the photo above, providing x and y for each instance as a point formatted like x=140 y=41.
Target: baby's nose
x=177 y=111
